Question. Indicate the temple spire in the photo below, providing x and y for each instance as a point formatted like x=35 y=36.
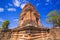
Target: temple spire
x=30 y=16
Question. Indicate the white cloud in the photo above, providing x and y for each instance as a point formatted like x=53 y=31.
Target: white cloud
x=1 y=20
x=11 y=9
x=16 y=19
x=16 y=3
x=22 y=6
x=20 y=3
x=1 y=9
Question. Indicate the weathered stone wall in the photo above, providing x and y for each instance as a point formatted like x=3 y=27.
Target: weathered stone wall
x=24 y=35
x=53 y=34
x=5 y=34
x=56 y=32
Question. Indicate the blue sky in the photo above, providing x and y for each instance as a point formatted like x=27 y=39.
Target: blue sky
x=11 y=9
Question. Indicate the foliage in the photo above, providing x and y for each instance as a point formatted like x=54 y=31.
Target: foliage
x=54 y=18
x=5 y=24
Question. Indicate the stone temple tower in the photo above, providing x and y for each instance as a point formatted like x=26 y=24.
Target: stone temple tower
x=30 y=27
x=30 y=17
